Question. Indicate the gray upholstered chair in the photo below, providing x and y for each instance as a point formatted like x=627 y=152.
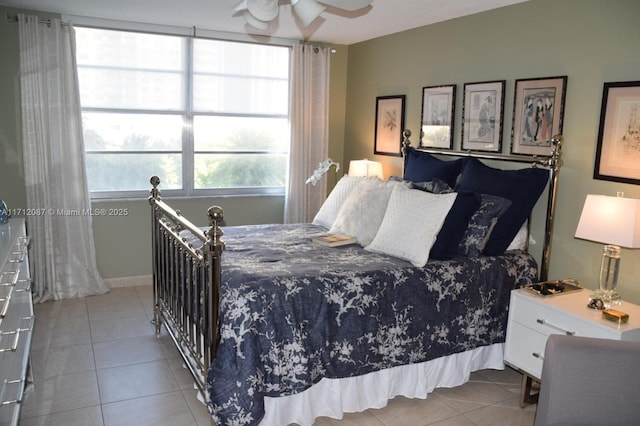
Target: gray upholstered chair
x=587 y=381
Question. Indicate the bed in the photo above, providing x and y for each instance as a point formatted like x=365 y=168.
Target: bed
x=277 y=329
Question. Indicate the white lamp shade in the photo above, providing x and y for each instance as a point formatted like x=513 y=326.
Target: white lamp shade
x=365 y=168
x=307 y=10
x=610 y=220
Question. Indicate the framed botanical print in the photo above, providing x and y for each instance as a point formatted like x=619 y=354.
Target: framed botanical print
x=436 y=124
x=538 y=110
x=482 y=112
x=389 y=125
x=618 y=149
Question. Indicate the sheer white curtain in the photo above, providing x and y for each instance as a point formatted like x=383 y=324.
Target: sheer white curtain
x=62 y=251
x=309 y=131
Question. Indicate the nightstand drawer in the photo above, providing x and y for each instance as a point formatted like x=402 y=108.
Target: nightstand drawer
x=548 y=320
x=528 y=353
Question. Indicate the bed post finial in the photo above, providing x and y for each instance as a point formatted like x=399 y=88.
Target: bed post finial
x=155 y=192
x=556 y=154
x=215 y=233
x=406 y=134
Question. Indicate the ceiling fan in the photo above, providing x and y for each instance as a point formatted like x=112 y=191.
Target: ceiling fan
x=258 y=13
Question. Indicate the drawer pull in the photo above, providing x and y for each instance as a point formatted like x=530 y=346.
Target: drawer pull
x=14 y=346
x=16 y=334
x=26 y=283
x=19 y=255
x=6 y=301
x=32 y=321
x=18 y=400
x=24 y=240
x=22 y=249
x=544 y=322
x=13 y=279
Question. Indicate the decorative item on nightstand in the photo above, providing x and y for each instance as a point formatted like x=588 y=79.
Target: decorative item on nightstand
x=615 y=222
x=365 y=168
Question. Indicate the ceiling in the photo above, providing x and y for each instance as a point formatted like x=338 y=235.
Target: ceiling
x=381 y=18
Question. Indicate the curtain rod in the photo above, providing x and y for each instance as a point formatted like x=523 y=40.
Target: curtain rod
x=193 y=31
x=14 y=18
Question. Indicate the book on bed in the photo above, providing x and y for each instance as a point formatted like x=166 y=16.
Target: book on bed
x=334 y=240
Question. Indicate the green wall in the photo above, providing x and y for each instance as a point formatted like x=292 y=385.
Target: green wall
x=590 y=41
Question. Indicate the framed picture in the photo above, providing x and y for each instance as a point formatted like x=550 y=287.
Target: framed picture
x=389 y=125
x=538 y=108
x=482 y=112
x=618 y=150
x=438 y=105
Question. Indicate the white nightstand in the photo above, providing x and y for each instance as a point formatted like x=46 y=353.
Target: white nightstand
x=533 y=318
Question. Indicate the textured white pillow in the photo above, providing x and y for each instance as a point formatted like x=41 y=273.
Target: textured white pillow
x=362 y=212
x=331 y=206
x=411 y=224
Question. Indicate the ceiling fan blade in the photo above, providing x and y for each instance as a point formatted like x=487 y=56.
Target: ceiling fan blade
x=349 y=5
x=307 y=10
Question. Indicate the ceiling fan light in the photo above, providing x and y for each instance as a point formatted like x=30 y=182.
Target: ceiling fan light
x=263 y=10
x=307 y=10
x=255 y=23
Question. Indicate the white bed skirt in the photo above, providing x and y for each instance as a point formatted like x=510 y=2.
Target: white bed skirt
x=335 y=397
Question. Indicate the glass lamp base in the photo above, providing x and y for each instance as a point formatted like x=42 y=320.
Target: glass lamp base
x=600 y=299
x=609 y=275
x=612 y=299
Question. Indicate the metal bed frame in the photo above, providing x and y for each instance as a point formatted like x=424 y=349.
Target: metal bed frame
x=186 y=283
x=186 y=280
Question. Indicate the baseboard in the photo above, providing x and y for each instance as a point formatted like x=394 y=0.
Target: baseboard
x=133 y=281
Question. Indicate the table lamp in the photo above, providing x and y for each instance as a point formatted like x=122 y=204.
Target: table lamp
x=365 y=168
x=615 y=222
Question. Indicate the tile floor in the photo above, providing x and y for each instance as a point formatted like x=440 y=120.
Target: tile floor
x=97 y=361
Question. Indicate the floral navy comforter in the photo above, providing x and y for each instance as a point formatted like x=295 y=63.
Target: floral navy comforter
x=294 y=311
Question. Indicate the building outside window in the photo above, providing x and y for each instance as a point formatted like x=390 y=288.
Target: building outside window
x=209 y=117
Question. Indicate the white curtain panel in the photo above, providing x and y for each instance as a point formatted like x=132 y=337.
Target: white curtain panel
x=309 y=131
x=62 y=251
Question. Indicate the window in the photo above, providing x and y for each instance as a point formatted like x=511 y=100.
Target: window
x=207 y=116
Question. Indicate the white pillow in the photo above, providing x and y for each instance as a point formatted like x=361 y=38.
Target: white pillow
x=331 y=206
x=362 y=212
x=411 y=224
x=520 y=240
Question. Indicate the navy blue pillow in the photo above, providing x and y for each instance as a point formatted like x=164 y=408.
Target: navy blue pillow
x=481 y=224
x=522 y=187
x=454 y=226
x=435 y=186
x=423 y=167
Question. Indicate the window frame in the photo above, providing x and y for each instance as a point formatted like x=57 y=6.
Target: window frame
x=188 y=151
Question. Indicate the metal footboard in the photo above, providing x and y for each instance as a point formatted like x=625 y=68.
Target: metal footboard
x=186 y=282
